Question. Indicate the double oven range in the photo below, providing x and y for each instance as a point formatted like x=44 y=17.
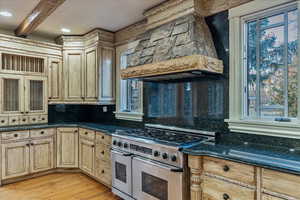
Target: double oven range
x=147 y=164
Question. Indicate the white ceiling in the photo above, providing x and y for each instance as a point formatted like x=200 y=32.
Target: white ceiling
x=80 y=16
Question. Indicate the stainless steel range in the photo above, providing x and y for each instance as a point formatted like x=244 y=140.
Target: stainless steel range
x=147 y=164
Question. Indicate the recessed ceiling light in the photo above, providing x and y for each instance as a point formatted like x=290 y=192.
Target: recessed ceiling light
x=5 y=13
x=65 y=30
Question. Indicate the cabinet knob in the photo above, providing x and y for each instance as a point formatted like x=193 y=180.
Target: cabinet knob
x=32 y=144
x=102 y=171
x=226 y=168
x=33 y=119
x=24 y=120
x=43 y=119
x=13 y=120
x=22 y=112
x=15 y=135
x=75 y=131
x=102 y=152
x=226 y=196
x=42 y=132
x=86 y=133
x=102 y=136
x=93 y=146
x=2 y=121
x=27 y=145
x=26 y=112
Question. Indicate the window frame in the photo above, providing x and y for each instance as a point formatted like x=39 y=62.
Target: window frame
x=237 y=122
x=119 y=113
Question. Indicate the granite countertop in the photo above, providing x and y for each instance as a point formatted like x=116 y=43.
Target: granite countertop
x=108 y=129
x=266 y=155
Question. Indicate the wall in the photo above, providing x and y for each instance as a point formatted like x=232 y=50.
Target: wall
x=199 y=103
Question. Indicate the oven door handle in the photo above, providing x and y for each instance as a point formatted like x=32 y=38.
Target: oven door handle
x=176 y=169
x=127 y=154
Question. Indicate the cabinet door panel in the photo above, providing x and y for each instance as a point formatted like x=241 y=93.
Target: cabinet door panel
x=55 y=78
x=91 y=73
x=74 y=75
x=15 y=159
x=86 y=156
x=41 y=155
x=107 y=76
x=67 y=147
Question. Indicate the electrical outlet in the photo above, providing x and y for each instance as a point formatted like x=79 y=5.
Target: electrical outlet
x=104 y=108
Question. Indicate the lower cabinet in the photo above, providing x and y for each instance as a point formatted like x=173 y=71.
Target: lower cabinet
x=41 y=155
x=15 y=159
x=67 y=147
x=21 y=158
x=86 y=156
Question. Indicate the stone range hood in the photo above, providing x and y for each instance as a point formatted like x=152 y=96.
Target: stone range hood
x=180 y=49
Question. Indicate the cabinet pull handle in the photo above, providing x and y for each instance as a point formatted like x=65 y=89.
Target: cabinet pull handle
x=15 y=135
x=226 y=196
x=226 y=168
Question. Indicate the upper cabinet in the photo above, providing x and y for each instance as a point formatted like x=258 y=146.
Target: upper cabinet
x=55 y=79
x=88 y=69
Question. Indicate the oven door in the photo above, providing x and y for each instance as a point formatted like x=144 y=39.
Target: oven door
x=156 y=181
x=121 y=174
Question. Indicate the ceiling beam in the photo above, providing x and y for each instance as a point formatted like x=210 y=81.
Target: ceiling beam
x=39 y=14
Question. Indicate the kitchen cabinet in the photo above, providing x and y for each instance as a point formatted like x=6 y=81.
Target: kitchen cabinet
x=74 y=76
x=41 y=155
x=24 y=99
x=91 y=69
x=67 y=147
x=86 y=150
x=55 y=78
x=23 y=155
x=15 y=159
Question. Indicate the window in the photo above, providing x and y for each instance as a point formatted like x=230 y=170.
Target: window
x=129 y=92
x=264 y=78
x=271 y=66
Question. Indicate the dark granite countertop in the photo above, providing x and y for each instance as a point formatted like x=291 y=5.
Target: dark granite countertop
x=108 y=129
x=265 y=154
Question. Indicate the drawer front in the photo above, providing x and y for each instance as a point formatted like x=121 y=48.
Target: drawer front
x=15 y=135
x=103 y=152
x=87 y=134
x=282 y=183
x=232 y=170
x=269 y=197
x=105 y=174
x=3 y=121
x=214 y=189
x=24 y=120
x=34 y=119
x=42 y=133
x=13 y=120
x=103 y=138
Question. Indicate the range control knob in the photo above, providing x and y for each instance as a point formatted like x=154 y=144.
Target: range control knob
x=165 y=156
x=125 y=145
x=156 y=153
x=119 y=144
x=174 y=158
x=114 y=142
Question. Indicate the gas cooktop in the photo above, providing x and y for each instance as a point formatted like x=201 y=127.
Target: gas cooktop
x=165 y=136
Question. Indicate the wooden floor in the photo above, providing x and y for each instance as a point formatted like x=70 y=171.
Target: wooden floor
x=60 y=186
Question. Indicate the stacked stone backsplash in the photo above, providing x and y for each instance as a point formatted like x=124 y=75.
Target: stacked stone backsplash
x=184 y=36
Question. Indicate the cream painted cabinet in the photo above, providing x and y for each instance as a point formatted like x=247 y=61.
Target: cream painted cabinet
x=23 y=100
x=91 y=75
x=74 y=76
x=41 y=155
x=15 y=159
x=86 y=156
x=67 y=147
x=55 y=85
x=107 y=76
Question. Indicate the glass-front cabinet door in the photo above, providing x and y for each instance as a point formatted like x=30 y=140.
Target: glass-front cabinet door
x=36 y=95
x=11 y=86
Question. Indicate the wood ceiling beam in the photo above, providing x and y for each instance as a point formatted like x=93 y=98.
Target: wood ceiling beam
x=39 y=14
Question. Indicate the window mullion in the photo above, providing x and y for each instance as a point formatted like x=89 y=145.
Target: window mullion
x=286 y=103
x=257 y=102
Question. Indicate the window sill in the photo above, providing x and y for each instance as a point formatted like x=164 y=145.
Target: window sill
x=278 y=129
x=132 y=116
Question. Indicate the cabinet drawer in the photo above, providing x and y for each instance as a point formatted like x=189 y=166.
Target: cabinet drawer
x=232 y=170
x=15 y=135
x=13 y=120
x=105 y=174
x=269 y=197
x=103 y=152
x=282 y=183
x=3 y=121
x=41 y=133
x=103 y=138
x=214 y=189
x=87 y=134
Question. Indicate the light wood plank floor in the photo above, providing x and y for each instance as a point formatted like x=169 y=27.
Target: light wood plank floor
x=59 y=186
